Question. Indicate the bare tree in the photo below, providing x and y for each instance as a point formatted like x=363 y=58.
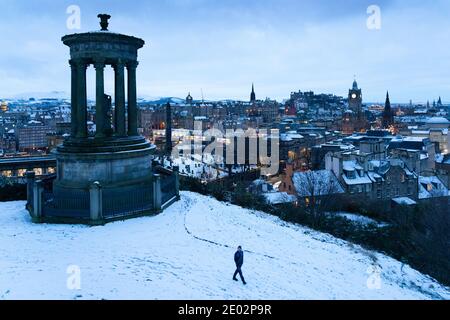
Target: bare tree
x=316 y=191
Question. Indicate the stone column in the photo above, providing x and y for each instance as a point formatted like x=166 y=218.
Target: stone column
x=176 y=172
x=120 y=120
x=157 y=195
x=96 y=203
x=74 y=95
x=81 y=99
x=100 y=111
x=31 y=176
x=132 y=99
x=38 y=189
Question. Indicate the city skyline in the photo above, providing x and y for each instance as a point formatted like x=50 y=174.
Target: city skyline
x=220 y=49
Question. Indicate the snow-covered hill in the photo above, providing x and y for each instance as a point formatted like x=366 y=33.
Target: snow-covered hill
x=60 y=95
x=187 y=253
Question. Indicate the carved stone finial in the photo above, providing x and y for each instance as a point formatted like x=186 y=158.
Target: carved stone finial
x=104 y=21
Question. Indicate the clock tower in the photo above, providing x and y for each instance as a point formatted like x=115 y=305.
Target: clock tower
x=355 y=99
x=354 y=119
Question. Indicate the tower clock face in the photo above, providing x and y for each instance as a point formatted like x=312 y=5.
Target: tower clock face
x=354 y=96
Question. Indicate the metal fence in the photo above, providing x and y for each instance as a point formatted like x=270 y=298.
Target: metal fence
x=168 y=189
x=127 y=201
x=113 y=203
x=62 y=204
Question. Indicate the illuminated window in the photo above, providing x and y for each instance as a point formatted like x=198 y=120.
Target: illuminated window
x=7 y=173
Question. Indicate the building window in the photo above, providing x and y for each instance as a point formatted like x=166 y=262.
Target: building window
x=7 y=173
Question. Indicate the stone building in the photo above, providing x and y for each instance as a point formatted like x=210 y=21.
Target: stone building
x=440 y=137
x=418 y=153
x=443 y=170
x=33 y=136
x=373 y=180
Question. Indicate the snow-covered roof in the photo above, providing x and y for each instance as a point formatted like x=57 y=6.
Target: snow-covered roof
x=404 y=201
x=438 y=120
x=374 y=177
x=424 y=132
x=295 y=135
x=289 y=136
x=363 y=179
x=414 y=139
x=351 y=165
x=431 y=187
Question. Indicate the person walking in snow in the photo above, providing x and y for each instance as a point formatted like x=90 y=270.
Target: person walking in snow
x=239 y=260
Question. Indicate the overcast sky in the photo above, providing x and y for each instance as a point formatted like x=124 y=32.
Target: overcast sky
x=222 y=46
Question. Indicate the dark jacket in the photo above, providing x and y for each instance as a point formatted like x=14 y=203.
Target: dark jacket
x=239 y=258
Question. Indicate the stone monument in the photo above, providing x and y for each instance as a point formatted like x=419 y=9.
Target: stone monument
x=107 y=175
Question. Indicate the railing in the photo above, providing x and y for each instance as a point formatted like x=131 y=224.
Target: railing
x=62 y=204
x=168 y=189
x=97 y=204
x=127 y=201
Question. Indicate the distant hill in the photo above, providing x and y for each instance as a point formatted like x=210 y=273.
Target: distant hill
x=59 y=95
x=164 y=100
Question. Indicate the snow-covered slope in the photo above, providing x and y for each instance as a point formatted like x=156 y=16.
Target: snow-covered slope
x=187 y=253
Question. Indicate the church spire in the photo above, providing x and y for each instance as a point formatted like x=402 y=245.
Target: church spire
x=387 y=105
x=388 y=115
x=253 y=94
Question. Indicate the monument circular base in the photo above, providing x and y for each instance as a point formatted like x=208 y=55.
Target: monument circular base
x=112 y=177
x=117 y=161
x=103 y=145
